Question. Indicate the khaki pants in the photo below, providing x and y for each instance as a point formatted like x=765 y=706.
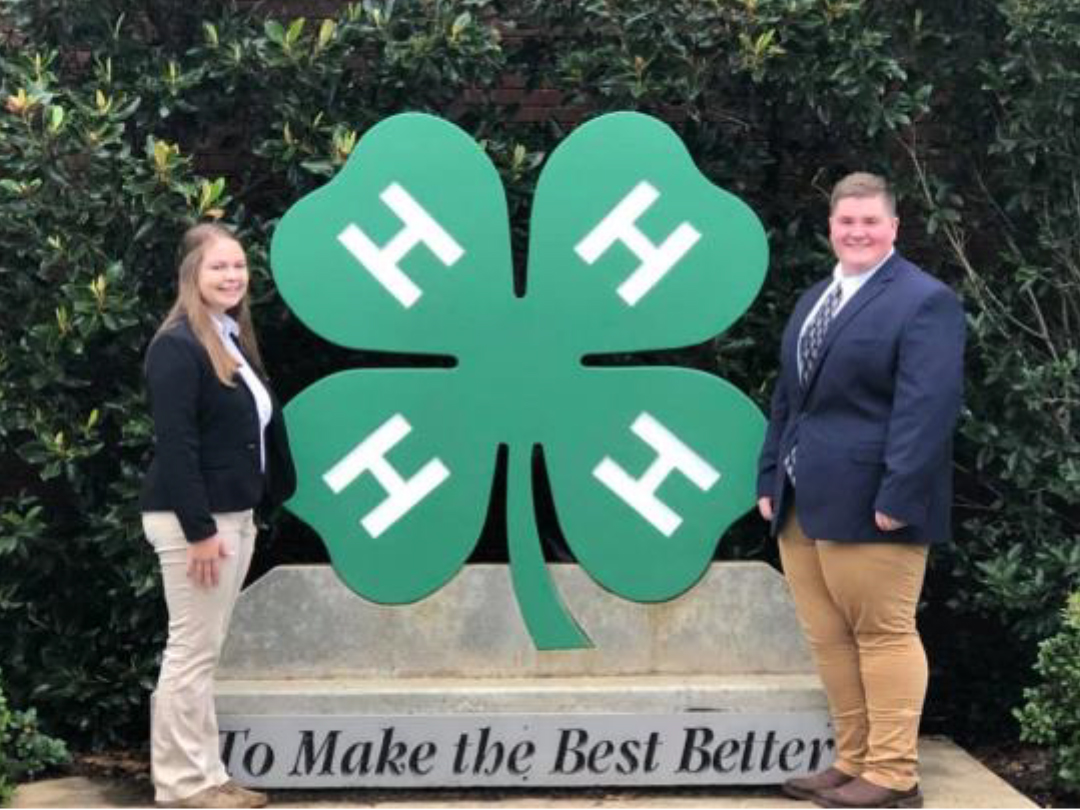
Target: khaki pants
x=856 y=604
x=184 y=745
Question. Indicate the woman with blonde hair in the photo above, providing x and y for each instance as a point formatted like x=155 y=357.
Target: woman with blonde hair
x=220 y=450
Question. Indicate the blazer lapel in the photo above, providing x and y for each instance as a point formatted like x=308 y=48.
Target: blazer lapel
x=791 y=343
x=867 y=293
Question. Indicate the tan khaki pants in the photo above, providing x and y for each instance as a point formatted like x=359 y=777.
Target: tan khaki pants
x=184 y=745
x=856 y=604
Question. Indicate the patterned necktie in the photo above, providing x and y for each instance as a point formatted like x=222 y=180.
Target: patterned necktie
x=809 y=348
x=814 y=335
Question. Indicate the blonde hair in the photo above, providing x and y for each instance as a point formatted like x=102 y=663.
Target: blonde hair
x=190 y=305
x=863 y=184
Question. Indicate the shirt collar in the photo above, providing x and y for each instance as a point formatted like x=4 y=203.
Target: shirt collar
x=859 y=279
x=226 y=325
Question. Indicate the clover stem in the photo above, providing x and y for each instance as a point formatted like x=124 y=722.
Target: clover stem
x=550 y=623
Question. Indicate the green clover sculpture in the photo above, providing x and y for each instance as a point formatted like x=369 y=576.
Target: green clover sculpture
x=631 y=248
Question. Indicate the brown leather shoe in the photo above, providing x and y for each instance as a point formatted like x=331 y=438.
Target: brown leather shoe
x=860 y=793
x=806 y=787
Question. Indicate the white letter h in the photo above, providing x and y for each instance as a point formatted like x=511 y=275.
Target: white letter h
x=382 y=262
x=370 y=456
x=619 y=225
x=640 y=493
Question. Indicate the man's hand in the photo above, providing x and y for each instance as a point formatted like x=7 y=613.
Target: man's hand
x=886 y=523
x=203 y=559
x=764 y=506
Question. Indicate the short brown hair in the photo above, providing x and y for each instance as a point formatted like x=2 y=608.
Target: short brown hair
x=863 y=184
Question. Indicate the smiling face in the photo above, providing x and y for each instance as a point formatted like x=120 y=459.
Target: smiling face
x=862 y=231
x=222 y=276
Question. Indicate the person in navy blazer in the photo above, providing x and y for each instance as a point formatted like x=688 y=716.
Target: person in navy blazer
x=220 y=451
x=855 y=479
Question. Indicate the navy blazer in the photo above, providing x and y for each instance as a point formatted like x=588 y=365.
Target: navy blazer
x=874 y=423
x=206 y=439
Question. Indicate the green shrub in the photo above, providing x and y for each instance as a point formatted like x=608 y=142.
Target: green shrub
x=1005 y=207
x=1051 y=714
x=90 y=210
x=24 y=751
x=105 y=116
x=1021 y=454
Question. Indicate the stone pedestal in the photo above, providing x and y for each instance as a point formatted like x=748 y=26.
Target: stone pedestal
x=318 y=687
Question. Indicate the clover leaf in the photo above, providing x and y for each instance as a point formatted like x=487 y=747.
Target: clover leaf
x=631 y=248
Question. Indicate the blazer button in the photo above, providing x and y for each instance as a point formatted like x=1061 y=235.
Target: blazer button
x=251 y=445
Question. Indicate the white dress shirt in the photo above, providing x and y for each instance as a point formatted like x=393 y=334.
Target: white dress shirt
x=849 y=285
x=228 y=328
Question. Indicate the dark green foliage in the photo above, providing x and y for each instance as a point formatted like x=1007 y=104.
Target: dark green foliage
x=104 y=110
x=24 y=751
x=1009 y=218
x=89 y=215
x=1022 y=448
x=1051 y=713
x=122 y=124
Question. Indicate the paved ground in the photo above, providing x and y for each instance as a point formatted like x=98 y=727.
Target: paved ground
x=951 y=778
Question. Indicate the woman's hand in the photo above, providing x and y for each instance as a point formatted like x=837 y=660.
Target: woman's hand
x=203 y=558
